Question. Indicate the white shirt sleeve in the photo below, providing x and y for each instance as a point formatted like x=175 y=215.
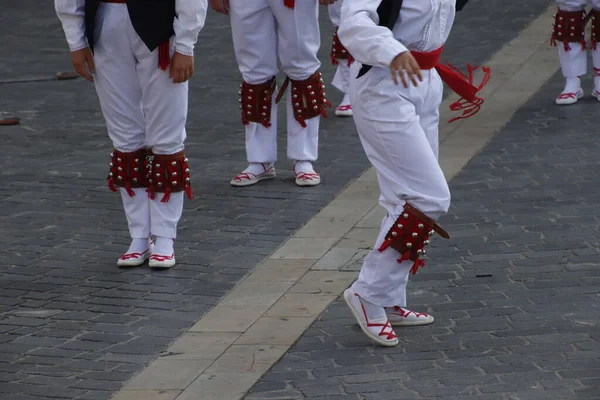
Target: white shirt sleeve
x=191 y=16
x=72 y=16
x=368 y=42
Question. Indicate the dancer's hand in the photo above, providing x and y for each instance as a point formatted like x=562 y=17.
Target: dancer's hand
x=326 y=2
x=405 y=62
x=83 y=62
x=182 y=67
x=221 y=6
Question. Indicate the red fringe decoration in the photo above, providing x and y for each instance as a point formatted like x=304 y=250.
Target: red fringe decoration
x=150 y=192
x=164 y=55
x=289 y=3
x=462 y=84
x=129 y=190
x=111 y=185
x=188 y=191
x=167 y=196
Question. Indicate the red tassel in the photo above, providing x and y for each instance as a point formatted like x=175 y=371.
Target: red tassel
x=418 y=263
x=111 y=185
x=129 y=190
x=164 y=55
x=384 y=246
x=167 y=196
x=150 y=192
x=289 y=3
x=462 y=85
x=350 y=60
x=188 y=191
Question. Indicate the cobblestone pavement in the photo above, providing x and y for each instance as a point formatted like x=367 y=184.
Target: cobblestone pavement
x=515 y=292
x=71 y=324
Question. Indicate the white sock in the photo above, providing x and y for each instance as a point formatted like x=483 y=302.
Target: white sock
x=138 y=245
x=304 y=166
x=572 y=85
x=258 y=168
x=163 y=246
x=345 y=100
x=375 y=313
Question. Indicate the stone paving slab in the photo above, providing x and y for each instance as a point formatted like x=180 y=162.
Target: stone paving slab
x=515 y=292
x=73 y=326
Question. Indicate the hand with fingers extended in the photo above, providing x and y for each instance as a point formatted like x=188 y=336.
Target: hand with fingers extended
x=221 y=6
x=403 y=65
x=326 y=2
x=83 y=62
x=182 y=67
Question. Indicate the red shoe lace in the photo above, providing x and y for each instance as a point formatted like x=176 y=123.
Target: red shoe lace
x=567 y=96
x=129 y=256
x=307 y=176
x=160 y=258
x=244 y=175
x=389 y=335
x=405 y=313
x=345 y=108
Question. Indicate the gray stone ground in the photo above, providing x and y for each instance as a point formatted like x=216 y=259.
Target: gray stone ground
x=72 y=325
x=515 y=292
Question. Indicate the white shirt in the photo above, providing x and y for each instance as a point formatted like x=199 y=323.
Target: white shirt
x=191 y=18
x=423 y=26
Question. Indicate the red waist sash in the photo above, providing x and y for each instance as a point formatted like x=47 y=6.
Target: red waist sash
x=460 y=83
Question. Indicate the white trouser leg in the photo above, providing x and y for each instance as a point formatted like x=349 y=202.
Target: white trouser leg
x=165 y=106
x=341 y=79
x=137 y=210
x=299 y=39
x=596 y=52
x=120 y=96
x=116 y=79
x=388 y=117
x=254 y=33
x=335 y=11
x=165 y=216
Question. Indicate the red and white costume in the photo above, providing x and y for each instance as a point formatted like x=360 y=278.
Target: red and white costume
x=398 y=128
x=343 y=60
x=145 y=115
x=568 y=35
x=264 y=31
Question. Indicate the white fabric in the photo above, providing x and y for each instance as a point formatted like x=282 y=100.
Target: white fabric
x=163 y=246
x=191 y=17
x=398 y=128
x=262 y=31
x=141 y=104
x=573 y=63
x=342 y=77
x=71 y=14
x=576 y=5
x=425 y=26
x=164 y=217
x=137 y=211
x=335 y=12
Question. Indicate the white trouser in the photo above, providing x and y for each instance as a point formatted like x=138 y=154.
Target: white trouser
x=143 y=108
x=398 y=128
x=573 y=62
x=341 y=79
x=261 y=30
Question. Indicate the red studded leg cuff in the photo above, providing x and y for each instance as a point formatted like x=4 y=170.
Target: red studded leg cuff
x=127 y=171
x=410 y=235
x=256 y=102
x=569 y=27
x=595 y=17
x=169 y=173
x=339 y=52
x=308 y=98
